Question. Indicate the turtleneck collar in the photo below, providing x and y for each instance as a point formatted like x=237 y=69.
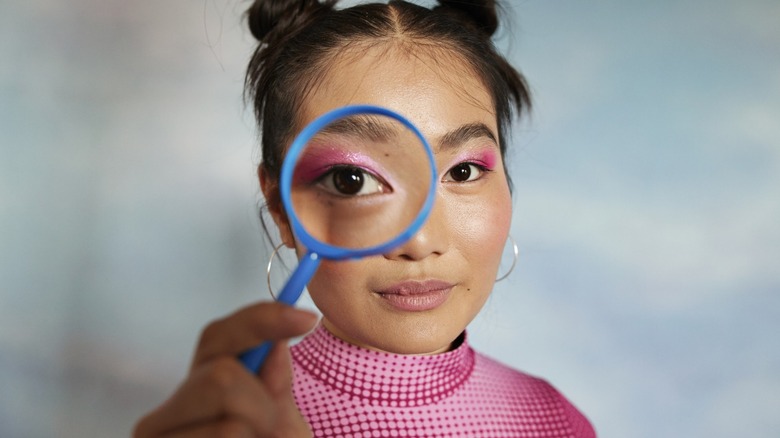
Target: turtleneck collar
x=380 y=378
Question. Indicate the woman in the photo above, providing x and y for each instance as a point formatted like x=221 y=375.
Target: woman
x=390 y=355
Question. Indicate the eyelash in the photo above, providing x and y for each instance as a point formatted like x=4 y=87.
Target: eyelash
x=328 y=181
x=481 y=167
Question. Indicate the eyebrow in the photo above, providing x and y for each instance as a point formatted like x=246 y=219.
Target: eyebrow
x=362 y=125
x=465 y=133
x=378 y=129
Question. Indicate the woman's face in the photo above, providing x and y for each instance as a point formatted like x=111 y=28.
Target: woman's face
x=418 y=298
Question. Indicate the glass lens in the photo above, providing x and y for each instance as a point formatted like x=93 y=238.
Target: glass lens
x=360 y=181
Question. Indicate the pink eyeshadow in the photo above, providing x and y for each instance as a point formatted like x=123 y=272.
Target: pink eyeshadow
x=485 y=157
x=313 y=163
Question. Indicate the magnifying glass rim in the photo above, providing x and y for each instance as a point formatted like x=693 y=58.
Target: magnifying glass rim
x=336 y=252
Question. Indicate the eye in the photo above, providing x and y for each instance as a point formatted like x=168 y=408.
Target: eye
x=352 y=181
x=465 y=172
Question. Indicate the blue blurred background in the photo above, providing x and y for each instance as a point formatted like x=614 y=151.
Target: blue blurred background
x=647 y=209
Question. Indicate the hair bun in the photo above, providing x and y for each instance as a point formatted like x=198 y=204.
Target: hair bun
x=480 y=14
x=266 y=17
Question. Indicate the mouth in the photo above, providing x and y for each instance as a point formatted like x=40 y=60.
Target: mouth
x=416 y=296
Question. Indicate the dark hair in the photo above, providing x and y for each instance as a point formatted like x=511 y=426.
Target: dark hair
x=299 y=37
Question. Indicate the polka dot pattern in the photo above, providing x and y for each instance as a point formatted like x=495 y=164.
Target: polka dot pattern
x=347 y=391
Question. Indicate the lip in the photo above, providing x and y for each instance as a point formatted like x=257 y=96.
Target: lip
x=416 y=296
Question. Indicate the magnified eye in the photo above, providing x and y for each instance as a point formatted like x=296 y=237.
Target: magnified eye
x=352 y=181
x=464 y=172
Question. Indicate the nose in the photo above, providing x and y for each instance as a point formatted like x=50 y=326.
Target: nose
x=432 y=239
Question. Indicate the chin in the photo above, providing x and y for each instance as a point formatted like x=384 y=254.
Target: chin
x=418 y=338
x=397 y=335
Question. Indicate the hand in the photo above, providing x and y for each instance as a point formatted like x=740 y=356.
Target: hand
x=220 y=397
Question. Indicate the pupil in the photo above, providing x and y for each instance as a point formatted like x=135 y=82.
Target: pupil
x=348 y=181
x=462 y=172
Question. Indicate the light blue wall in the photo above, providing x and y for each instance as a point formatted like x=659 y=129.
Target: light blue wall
x=646 y=209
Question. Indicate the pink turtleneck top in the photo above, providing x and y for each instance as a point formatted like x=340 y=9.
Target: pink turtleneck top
x=346 y=391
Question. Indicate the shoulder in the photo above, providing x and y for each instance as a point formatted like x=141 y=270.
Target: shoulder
x=529 y=395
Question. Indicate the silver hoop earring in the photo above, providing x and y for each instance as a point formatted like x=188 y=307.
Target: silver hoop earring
x=515 y=252
x=268 y=270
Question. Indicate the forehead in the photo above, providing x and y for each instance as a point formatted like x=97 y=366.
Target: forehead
x=430 y=85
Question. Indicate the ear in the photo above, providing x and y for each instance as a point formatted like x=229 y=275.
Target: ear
x=270 y=188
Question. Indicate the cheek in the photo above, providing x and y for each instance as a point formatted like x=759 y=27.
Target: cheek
x=482 y=226
x=336 y=283
x=321 y=287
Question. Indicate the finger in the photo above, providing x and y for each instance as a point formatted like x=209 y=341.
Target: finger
x=277 y=371
x=249 y=327
x=217 y=390
x=277 y=375
x=225 y=429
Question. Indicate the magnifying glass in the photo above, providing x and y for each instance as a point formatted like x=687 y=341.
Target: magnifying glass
x=358 y=181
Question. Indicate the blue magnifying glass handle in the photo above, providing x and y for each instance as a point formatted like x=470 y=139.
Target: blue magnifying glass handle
x=253 y=359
